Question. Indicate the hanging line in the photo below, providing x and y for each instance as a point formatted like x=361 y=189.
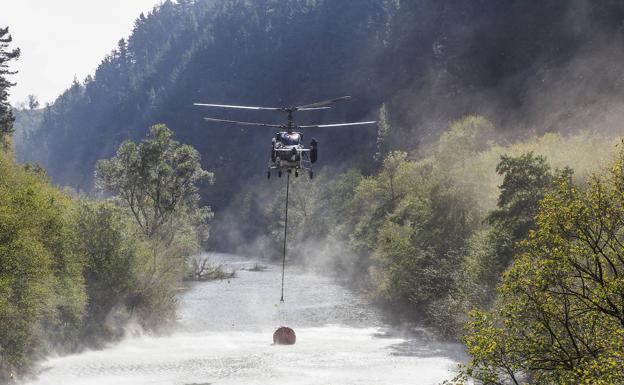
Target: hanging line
x=285 y=233
x=281 y=314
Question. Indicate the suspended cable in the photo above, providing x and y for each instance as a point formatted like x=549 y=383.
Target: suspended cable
x=285 y=233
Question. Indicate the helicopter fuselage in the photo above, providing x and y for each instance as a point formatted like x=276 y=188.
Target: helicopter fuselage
x=288 y=153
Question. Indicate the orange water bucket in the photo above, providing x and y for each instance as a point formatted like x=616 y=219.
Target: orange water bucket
x=284 y=336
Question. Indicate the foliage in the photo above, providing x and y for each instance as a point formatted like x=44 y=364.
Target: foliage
x=33 y=102
x=421 y=224
x=6 y=55
x=381 y=52
x=26 y=120
x=41 y=282
x=75 y=271
x=114 y=255
x=558 y=318
x=157 y=180
x=464 y=138
x=526 y=179
x=421 y=241
x=430 y=235
x=383 y=131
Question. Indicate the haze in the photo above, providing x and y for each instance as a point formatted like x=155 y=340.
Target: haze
x=63 y=39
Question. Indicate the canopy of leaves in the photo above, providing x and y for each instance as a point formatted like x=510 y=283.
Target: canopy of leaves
x=42 y=294
x=431 y=62
x=6 y=55
x=156 y=178
x=559 y=316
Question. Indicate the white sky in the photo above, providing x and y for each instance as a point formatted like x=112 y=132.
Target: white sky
x=61 y=39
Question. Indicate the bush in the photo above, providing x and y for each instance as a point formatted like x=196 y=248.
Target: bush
x=41 y=284
x=112 y=251
x=559 y=313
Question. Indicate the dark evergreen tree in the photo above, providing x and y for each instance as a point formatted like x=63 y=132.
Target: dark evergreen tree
x=526 y=179
x=6 y=55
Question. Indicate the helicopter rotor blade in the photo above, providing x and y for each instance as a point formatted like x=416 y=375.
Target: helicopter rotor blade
x=337 y=124
x=311 y=108
x=238 y=107
x=244 y=123
x=323 y=103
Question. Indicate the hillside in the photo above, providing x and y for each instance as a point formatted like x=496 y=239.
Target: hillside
x=485 y=206
x=526 y=66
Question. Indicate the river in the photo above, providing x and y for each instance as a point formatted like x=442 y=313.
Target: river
x=224 y=336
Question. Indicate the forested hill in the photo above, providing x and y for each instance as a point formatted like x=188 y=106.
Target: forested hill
x=523 y=64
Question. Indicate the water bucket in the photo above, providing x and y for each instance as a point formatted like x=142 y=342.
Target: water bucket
x=284 y=336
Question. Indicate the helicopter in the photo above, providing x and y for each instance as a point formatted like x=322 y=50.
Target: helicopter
x=288 y=153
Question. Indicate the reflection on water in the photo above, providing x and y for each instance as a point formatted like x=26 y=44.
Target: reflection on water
x=225 y=334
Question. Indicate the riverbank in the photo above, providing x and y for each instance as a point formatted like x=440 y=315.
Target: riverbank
x=224 y=335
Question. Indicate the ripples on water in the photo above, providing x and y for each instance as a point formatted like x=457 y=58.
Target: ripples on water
x=225 y=334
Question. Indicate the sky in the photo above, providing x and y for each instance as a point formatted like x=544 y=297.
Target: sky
x=63 y=39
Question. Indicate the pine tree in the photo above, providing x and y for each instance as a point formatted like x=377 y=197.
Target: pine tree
x=6 y=55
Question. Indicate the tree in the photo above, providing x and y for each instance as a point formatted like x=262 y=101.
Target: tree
x=464 y=137
x=106 y=240
x=42 y=296
x=6 y=55
x=559 y=315
x=157 y=179
x=525 y=181
x=526 y=178
x=418 y=219
x=33 y=103
x=383 y=131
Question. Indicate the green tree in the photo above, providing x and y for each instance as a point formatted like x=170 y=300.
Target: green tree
x=33 y=102
x=464 y=137
x=419 y=224
x=526 y=178
x=112 y=252
x=525 y=181
x=42 y=296
x=6 y=55
x=157 y=179
x=559 y=315
x=383 y=131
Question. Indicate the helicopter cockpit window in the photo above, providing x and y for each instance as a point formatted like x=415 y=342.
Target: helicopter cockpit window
x=290 y=139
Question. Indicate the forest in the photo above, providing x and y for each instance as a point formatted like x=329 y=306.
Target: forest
x=76 y=271
x=486 y=204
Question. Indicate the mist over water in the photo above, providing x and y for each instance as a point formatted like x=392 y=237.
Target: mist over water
x=225 y=334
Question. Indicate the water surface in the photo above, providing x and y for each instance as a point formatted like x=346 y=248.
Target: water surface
x=225 y=332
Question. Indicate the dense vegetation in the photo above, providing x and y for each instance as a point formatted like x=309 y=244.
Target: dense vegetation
x=472 y=207
x=558 y=317
x=436 y=235
x=6 y=113
x=76 y=272
x=430 y=234
x=552 y=67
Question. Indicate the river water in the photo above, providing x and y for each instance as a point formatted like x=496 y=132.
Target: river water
x=225 y=332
